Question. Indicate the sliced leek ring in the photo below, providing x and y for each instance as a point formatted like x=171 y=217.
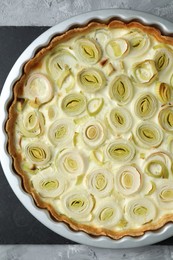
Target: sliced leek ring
x=38 y=89
x=88 y=50
x=77 y=204
x=128 y=180
x=117 y=48
x=48 y=183
x=60 y=62
x=61 y=131
x=38 y=153
x=145 y=106
x=91 y=80
x=162 y=59
x=140 y=211
x=165 y=195
x=93 y=133
x=158 y=165
x=121 y=89
x=149 y=134
x=144 y=73
x=165 y=118
x=94 y=106
x=32 y=124
x=70 y=162
x=100 y=182
x=73 y=104
x=109 y=213
x=139 y=42
x=120 y=120
x=120 y=151
x=163 y=92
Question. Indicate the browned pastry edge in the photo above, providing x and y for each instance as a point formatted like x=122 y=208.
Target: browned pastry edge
x=17 y=92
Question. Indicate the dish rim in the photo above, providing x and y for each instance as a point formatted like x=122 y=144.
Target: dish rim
x=14 y=180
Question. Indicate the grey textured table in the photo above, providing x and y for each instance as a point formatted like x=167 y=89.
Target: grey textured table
x=17 y=226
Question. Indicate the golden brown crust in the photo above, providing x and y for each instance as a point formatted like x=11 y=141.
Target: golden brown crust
x=17 y=92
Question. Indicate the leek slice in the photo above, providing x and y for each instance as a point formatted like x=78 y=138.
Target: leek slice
x=73 y=104
x=121 y=89
x=88 y=50
x=140 y=211
x=91 y=80
x=144 y=73
x=100 y=182
x=94 y=106
x=48 y=183
x=128 y=180
x=31 y=124
x=120 y=151
x=117 y=48
x=59 y=63
x=61 y=131
x=145 y=106
x=38 y=89
x=71 y=162
x=120 y=120
x=165 y=195
x=163 y=92
x=165 y=118
x=108 y=214
x=162 y=59
x=93 y=133
x=77 y=203
x=38 y=153
x=149 y=134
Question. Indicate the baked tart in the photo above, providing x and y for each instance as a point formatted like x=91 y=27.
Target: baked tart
x=90 y=128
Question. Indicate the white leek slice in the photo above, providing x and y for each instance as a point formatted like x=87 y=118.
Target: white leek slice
x=165 y=195
x=88 y=50
x=91 y=80
x=121 y=89
x=61 y=131
x=144 y=73
x=100 y=182
x=145 y=106
x=139 y=42
x=38 y=88
x=165 y=118
x=48 y=183
x=38 y=153
x=70 y=161
x=60 y=62
x=94 y=106
x=120 y=120
x=163 y=92
x=149 y=134
x=31 y=124
x=128 y=180
x=93 y=133
x=102 y=36
x=158 y=165
x=117 y=48
x=109 y=213
x=163 y=59
x=140 y=211
x=73 y=104
x=97 y=155
x=120 y=151
x=78 y=204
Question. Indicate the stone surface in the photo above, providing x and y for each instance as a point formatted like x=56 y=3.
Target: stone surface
x=50 y=12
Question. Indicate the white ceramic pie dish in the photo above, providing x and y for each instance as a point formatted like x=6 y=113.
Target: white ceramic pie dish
x=15 y=181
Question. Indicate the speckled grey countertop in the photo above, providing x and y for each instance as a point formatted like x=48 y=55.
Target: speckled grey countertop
x=49 y=13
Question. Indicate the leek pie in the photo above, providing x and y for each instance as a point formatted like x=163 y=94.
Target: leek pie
x=90 y=128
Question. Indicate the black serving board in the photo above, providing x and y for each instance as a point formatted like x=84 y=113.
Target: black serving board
x=17 y=225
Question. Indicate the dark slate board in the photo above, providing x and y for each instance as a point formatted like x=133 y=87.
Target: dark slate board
x=17 y=225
